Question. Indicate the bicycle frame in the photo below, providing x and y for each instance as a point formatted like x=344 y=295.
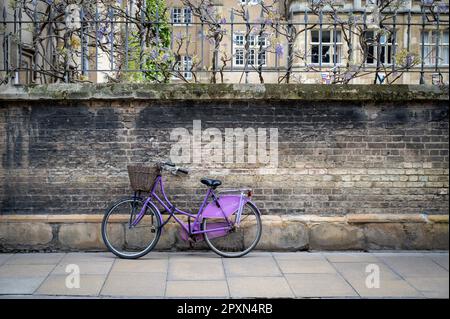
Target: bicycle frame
x=211 y=211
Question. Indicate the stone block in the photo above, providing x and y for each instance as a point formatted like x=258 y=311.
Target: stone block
x=440 y=236
x=283 y=235
x=25 y=235
x=331 y=236
x=81 y=236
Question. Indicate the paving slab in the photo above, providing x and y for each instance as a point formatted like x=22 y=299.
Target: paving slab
x=389 y=288
x=90 y=285
x=20 y=286
x=251 y=266
x=360 y=271
x=156 y=255
x=85 y=268
x=193 y=254
x=35 y=259
x=4 y=258
x=441 y=259
x=415 y=266
x=320 y=285
x=135 y=285
x=298 y=256
x=350 y=257
x=267 y=287
x=306 y=267
x=199 y=268
x=431 y=287
x=78 y=257
x=17 y=271
x=140 y=266
x=197 y=289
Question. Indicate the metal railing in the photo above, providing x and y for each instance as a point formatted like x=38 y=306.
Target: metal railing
x=48 y=41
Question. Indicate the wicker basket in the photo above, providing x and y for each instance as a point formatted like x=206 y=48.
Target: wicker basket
x=142 y=177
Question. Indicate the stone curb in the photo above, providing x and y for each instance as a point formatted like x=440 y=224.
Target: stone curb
x=281 y=233
x=311 y=92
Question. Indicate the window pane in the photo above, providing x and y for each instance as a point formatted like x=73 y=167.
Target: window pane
x=389 y=54
x=251 y=57
x=369 y=36
x=425 y=37
x=428 y=55
x=251 y=40
x=262 y=41
x=262 y=58
x=176 y=15
x=239 y=39
x=315 y=36
x=383 y=54
x=187 y=15
x=337 y=55
x=326 y=36
x=239 y=57
x=338 y=36
x=444 y=37
x=315 y=54
x=325 y=54
x=370 y=53
x=443 y=54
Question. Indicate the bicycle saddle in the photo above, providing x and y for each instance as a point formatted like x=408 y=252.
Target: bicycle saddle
x=211 y=182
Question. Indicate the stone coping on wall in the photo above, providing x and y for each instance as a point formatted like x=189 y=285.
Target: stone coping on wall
x=310 y=92
x=19 y=233
x=349 y=218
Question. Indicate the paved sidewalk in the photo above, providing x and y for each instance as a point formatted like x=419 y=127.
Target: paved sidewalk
x=205 y=275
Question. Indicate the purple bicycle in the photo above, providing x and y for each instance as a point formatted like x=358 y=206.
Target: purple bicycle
x=228 y=221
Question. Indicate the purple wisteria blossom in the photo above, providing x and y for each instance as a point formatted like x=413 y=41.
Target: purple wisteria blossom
x=279 y=50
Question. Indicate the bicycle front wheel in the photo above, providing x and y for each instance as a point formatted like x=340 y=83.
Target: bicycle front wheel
x=238 y=241
x=125 y=234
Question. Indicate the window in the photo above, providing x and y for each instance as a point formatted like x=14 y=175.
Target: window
x=187 y=67
x=385 y=46
x=239 y=39
x=187 y=15
x=184 y=67
x=429 y=43
x=251 y=2
x=177 y=16
x=25 y=74
x=331 y=47
x=239 y=57
x=181 y=15
x=257 y=46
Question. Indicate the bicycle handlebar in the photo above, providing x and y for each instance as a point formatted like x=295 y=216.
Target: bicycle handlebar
x=182 y=170
x=173 y=168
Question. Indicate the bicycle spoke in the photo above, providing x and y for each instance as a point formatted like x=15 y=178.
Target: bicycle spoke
x=240 y=240
x=126 y=241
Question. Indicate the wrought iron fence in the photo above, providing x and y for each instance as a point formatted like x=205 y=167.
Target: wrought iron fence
x=323 y=41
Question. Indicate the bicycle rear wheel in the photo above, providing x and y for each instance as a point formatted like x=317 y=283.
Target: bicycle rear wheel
x=241 y=239
x=125 y=240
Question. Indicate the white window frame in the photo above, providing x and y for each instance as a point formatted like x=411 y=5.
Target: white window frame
x=184 y=67
x=386 y=46
x=253 y=54
x=239 y=56
x=187 y=66
x=430 y=47
x=329 y=44
x=249 y=2
x=182 y=15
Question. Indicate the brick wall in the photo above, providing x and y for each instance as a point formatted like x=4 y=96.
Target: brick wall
x=337 y=156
